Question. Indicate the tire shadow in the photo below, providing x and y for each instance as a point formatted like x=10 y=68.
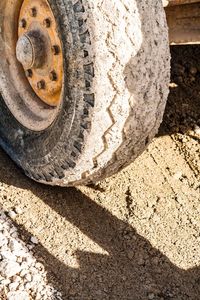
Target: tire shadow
x=133 y=268
x=182 y=112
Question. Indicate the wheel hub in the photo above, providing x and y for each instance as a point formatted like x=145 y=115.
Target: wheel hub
x=39 y=50
x=30 y=50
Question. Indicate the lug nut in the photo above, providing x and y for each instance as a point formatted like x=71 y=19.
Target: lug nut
x=41 y=85
x=47 y=22
x=22 y=23
x=29 y=73
x=33 y=12
x=55 y=49
x=53 y=76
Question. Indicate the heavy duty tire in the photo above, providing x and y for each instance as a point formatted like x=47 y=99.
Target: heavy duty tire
x=117 y=67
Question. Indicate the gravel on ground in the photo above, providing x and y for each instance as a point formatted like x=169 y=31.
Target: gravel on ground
x=22 y=277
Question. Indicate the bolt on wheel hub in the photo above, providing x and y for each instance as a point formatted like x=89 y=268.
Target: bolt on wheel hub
x=39 y=50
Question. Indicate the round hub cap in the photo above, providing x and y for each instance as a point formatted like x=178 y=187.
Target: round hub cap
x=24 y=51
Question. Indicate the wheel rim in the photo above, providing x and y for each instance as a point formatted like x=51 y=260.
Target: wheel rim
x=39 y=50
x=32 y=62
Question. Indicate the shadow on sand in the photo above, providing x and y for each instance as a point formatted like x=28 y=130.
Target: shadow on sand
x=118 y=275
x=183 y=107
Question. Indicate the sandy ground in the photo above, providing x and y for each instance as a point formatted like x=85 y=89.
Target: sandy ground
x=135 y=235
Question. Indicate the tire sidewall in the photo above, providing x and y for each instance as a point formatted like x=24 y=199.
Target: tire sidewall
x=37 y=150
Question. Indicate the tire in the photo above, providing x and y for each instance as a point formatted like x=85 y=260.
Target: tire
x=117 y=67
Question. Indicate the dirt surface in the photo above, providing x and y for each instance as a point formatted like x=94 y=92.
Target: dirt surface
x=137 y=234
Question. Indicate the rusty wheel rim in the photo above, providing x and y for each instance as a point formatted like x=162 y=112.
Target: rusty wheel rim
x=32 y=86
x=39 y=50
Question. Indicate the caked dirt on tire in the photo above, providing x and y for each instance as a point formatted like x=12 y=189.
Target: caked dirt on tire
x=137 y=234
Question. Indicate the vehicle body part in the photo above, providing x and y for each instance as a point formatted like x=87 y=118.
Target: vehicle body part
x=183 y=18
x=178 y=2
